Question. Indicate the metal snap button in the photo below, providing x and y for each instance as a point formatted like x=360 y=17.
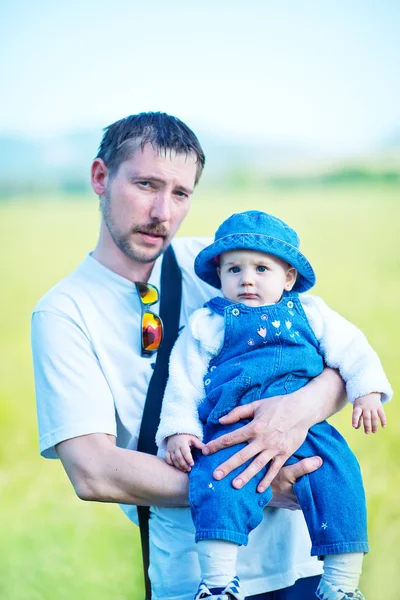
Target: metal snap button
x=236 y=312
x=207 y=382
x=213 y=368
x=290 y=304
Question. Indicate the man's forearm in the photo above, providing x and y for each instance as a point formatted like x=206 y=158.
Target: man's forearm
x=321 y=398
x=145 y=480
x=102 y=472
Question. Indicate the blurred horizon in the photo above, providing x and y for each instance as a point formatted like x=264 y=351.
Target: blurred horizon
x=61 y=163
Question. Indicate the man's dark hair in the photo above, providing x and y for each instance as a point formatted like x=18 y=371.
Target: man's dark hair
x=164 y=132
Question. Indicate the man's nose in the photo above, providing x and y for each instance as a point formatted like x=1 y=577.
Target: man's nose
x=161 y=208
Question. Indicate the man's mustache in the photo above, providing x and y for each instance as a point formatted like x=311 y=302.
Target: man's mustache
x=151 y=229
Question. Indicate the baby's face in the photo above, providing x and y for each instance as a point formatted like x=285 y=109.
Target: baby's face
x=254 y=278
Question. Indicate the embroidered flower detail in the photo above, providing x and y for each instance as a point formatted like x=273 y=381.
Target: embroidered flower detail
x=276 y=324
x=264 y=317
x=236 y=312
x=290 y=304
x=250 y=342
x=210 y=485
x=262 y=332
x=288 y=324
x=207 y=382
x=291 y=313
x=324 y=525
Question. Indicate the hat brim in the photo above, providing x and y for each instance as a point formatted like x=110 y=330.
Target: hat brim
x=206 y=267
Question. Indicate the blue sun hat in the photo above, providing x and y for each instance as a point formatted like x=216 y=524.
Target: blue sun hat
x=255 y=230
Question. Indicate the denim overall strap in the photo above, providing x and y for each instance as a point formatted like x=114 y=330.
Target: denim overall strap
x=218 y=305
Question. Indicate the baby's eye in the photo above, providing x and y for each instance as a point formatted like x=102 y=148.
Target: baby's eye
x=261 y=268
x=234 y=269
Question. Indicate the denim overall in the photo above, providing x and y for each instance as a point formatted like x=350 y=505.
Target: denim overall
x=268 y=351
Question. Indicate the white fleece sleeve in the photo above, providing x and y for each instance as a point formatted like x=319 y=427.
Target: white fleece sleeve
x=184 y=391
x=345 y=347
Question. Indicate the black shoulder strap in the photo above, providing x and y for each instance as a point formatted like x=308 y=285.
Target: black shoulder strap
x=170 y=308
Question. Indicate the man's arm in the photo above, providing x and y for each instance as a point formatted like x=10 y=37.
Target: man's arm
x=76 y=413
x=100 y=471
x=278 y=428
x=72 y=410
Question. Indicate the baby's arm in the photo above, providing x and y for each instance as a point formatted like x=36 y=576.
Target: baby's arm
x=184 y=391
x=345 y=347
x=368 y=410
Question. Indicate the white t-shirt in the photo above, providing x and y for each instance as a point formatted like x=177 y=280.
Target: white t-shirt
x=91 y=378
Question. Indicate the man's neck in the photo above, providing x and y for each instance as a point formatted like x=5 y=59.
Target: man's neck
x=111 y=257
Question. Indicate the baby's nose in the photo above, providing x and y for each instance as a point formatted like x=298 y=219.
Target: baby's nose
x=247 y=278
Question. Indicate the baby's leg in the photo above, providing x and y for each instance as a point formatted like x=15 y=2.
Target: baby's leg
x=223 y=517
x=332 y=498
x=219 y=511
x=333 y=501
x=341 y=576
x=217 y=560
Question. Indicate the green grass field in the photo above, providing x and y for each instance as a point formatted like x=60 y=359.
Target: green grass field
x=55 y=547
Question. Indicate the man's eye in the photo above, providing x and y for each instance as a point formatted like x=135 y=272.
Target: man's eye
x=181 y=195
x=261 y=268
x=145 y=184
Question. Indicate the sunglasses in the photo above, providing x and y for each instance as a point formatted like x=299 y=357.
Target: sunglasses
x=152 y=325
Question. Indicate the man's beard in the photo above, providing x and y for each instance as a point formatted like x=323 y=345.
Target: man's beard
x=123 y=241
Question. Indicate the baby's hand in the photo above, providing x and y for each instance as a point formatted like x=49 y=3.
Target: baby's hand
x=179 y=453
x=369 y=410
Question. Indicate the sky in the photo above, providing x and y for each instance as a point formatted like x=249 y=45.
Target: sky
x=320 y=73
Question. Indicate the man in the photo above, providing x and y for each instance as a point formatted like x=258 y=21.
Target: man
x=91 y=379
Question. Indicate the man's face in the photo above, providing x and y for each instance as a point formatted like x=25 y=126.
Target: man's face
x=146 y=200
x=254 y=278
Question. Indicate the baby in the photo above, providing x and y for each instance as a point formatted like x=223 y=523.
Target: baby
x=265 y=338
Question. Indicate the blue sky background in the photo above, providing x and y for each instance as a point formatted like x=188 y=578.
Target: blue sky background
x=319 y=73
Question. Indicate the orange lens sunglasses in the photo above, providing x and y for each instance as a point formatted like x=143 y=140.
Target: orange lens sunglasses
x=152 y=325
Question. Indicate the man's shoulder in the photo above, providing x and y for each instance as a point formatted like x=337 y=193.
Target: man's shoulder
x=196 y=291
x=187 y=248
x=64 y=294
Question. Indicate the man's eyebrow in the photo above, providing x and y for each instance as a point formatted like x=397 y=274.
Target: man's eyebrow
x=141 y=177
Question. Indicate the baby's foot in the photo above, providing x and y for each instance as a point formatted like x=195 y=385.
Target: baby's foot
x=327 y=591
x=230 y=592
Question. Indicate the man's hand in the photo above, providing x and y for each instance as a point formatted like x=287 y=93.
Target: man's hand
x=279 y=426
x=179 y=451
x=282 y=485
x=270 y=436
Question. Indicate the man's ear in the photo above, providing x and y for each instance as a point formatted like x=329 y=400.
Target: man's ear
x=99 y=176
x=291 y=276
